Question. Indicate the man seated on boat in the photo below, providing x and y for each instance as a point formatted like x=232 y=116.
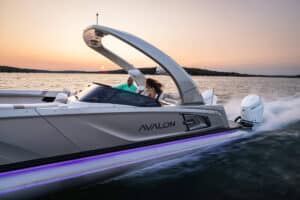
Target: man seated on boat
x=129 y=86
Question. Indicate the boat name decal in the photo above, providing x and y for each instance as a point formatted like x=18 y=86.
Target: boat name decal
x=156 y=126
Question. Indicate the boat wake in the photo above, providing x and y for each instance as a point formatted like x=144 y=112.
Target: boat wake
x=281 y=113
x=277 y=115
x=172 y=168
x=178 y=166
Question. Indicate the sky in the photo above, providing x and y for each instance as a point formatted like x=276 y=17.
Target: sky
x=247 y=36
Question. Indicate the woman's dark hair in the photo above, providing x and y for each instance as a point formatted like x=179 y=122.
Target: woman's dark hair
x=155 y=85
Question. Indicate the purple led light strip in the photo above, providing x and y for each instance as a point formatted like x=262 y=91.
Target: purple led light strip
x=96 y=157
x=64 y=163
x=86 y=173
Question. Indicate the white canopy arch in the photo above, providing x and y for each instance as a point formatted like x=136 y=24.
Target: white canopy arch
x=187 y=88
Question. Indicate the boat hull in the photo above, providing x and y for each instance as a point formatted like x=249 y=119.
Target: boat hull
x=31 y=134
x=38 y=180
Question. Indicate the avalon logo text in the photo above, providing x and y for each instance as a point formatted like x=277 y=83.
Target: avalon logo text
x=156 y=126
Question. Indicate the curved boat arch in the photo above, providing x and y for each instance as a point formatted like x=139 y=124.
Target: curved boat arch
x=187 y=88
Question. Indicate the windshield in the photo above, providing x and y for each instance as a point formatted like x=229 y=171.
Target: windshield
x=107 y=94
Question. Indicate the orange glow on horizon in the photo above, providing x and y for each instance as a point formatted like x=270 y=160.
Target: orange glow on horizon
x=249 y=36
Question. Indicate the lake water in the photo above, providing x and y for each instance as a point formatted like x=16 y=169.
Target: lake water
x=265 y=165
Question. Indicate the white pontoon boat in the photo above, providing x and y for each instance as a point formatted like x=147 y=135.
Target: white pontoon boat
x=52 y=139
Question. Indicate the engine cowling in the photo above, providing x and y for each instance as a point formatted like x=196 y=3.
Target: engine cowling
x=252 y=109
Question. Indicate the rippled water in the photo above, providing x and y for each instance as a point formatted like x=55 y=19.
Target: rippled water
x=264 y=165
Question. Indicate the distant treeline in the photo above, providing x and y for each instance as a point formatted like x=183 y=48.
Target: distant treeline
x=150 y=71
x=26 y=70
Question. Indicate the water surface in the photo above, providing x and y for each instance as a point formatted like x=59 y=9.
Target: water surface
x=264 y=165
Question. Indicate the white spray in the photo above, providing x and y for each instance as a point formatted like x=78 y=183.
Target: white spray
x=277 y=114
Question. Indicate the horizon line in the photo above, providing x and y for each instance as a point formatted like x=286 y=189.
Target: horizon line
x=140 y=67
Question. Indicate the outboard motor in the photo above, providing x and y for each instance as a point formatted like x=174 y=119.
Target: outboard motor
x=252 y=109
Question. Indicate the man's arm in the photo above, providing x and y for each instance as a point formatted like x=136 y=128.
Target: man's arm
x=121 y=86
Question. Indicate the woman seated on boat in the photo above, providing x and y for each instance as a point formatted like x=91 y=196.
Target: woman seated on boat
x=153 y=88
x=129 y=86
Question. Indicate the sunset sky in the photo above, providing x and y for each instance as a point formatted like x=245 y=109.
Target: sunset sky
x=249 y=36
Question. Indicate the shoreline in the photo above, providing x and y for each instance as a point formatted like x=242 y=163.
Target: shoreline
x=147 y=71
